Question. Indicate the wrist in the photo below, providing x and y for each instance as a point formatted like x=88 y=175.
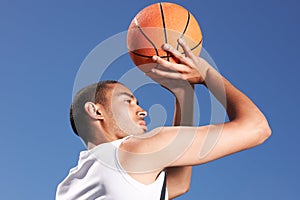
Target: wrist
x=210 y=74
x=184 y=89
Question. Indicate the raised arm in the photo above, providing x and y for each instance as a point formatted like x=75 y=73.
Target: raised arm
x=182 y=146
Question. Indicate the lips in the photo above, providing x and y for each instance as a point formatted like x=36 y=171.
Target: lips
x=142 y=123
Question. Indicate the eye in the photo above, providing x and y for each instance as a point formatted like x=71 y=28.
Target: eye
x=127 y=101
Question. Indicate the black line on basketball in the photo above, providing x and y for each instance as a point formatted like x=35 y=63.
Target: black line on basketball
x=197 y=45
x=144 y=34
x=168 y=56
x=164 y=25
x=145 y=56
x=185 y=28
x=141 y=55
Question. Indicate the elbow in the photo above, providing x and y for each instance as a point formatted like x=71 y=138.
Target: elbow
x=180 y=190
x=263 y=131
x=185 y=188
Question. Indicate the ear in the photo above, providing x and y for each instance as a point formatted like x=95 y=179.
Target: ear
x=93 y=111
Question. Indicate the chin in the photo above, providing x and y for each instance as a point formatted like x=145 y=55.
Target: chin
x=134 y=130
x=140 y=132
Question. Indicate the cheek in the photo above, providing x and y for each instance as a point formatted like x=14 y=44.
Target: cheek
x=121 y=114
x=123 y=121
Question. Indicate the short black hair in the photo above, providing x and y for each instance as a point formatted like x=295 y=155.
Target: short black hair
x=93 y=93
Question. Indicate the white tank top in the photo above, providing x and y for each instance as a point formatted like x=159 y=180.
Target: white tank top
x=100 y=176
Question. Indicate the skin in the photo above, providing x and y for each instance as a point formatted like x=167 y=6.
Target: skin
x=247 y=127
x=179 y=178
x=120 y=117
x=176 y=148
x=123 y=116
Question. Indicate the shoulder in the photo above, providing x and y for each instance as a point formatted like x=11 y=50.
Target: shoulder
x=150 y=141
x=162 y=138
x=157 y=149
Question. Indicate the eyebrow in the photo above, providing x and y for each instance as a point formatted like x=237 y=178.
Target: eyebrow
x=129 y=95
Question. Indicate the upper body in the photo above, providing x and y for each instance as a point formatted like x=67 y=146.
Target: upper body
x=99 y=175
x=144 y=156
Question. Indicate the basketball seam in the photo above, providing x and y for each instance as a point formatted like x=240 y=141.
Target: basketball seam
x=164 y=26
x=185 y=28
x=168 y=56
x=145 y=56
x=147 y=38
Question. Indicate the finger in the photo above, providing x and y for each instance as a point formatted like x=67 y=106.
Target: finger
x=167 y=75
x=157 y=77
x=172 y=66
x=181 y=57
x=153 y=75
x=187 y=50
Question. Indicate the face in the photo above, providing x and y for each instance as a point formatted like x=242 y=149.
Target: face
x=123 y=115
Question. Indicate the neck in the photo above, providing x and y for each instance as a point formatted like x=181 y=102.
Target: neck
x=98 y=138
x=95 y=135
x=92 y=138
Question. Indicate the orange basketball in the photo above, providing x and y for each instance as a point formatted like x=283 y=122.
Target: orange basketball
x=159 y=24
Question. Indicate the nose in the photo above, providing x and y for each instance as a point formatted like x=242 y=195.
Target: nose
x=142 y=114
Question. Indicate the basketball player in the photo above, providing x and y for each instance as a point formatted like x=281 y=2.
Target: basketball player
x=123 y=163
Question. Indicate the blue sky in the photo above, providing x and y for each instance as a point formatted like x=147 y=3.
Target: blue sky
x=43 y=44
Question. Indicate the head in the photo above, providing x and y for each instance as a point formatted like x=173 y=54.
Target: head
x=106 y=111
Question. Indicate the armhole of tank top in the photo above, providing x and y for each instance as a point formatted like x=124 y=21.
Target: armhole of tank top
x=117 y=145
x=159 y=178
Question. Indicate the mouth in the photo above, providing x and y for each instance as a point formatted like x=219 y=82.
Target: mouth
x=143 y=123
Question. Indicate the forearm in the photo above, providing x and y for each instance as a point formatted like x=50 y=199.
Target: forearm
x=237 y=104
x=184 y=106
x=179 y=177
x=196 y=70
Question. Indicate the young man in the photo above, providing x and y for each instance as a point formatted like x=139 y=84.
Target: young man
x=124 y=163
